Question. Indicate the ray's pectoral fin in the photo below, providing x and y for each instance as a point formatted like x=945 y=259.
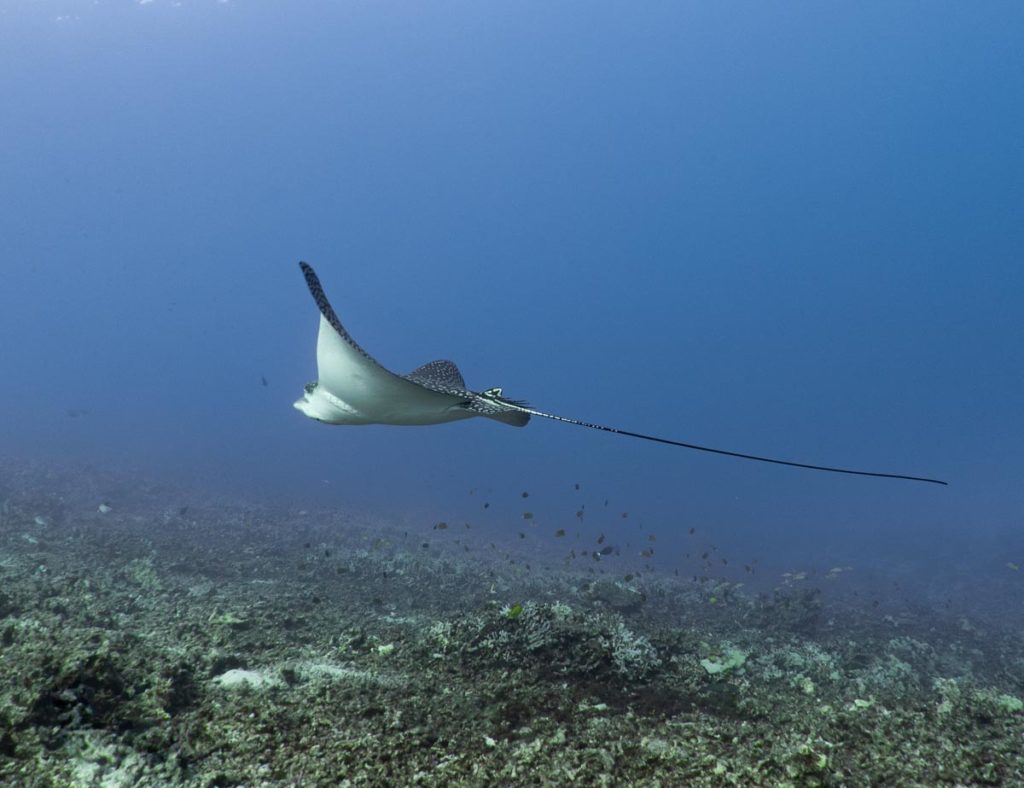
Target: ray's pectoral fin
x=328 y=313
x=440 y=373
x=353 y=388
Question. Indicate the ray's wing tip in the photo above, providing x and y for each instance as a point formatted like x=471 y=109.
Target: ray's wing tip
x=313 y=283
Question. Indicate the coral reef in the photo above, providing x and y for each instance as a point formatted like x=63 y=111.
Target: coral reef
x=207 y=645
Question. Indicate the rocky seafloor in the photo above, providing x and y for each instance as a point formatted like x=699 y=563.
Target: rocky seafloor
x=150 y=640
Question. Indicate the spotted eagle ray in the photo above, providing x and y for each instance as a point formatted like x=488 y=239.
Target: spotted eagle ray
x=353 y=388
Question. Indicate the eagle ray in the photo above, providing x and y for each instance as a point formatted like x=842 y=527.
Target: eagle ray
x=354 y=388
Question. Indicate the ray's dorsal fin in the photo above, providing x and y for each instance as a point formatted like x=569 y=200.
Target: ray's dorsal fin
x=438 y=373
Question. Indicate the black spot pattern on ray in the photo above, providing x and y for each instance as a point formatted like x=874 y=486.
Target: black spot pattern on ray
x=439 y=375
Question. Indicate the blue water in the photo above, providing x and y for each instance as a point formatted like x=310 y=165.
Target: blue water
x=792 y=231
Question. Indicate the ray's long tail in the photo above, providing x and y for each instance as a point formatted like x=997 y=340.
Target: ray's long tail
x=741 y=455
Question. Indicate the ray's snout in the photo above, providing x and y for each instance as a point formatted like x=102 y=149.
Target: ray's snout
x=309 y=404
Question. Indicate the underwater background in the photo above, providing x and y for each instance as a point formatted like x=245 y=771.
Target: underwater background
x=789 y=230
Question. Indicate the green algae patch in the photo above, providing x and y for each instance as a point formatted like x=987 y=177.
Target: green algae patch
x=730 y=659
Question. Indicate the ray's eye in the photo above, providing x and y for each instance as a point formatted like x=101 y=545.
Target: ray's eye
x=311 y=387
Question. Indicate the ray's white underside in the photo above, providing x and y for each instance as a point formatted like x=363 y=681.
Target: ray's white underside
x=353 y=389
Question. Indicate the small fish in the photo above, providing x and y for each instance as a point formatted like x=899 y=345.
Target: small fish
x=647 y=553
x=263 y=380
x=651 y=538
x=627 y=578
x=441 y=526
x=577 y=486
x=526 y=494
x=527 y=515
x=1013 y=566
x=693 y=531
x=104 y=508
x=600 y=539
x=560 y=532
x=607 y=550
x=487 y=506
x=625 y=515
x=579 y=515
x=522 y=535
